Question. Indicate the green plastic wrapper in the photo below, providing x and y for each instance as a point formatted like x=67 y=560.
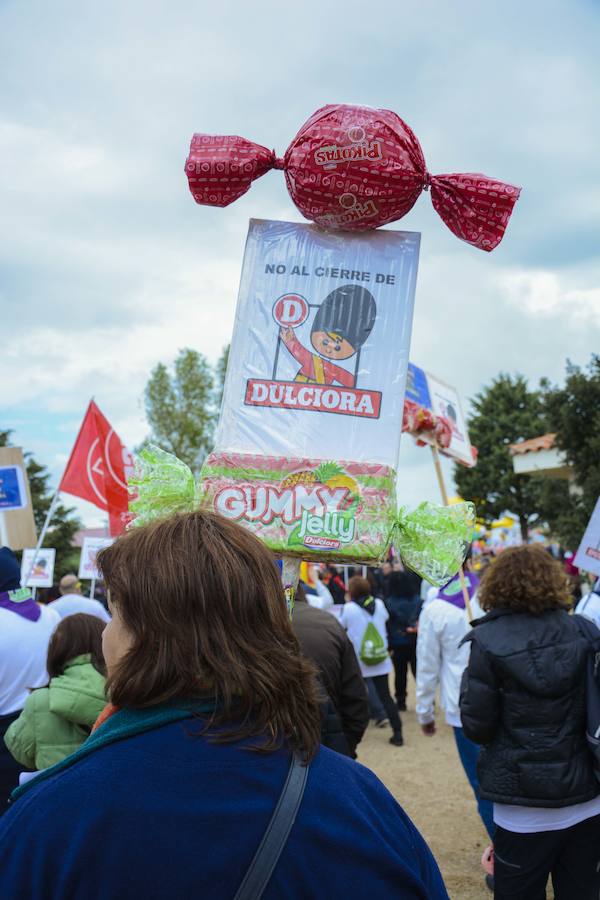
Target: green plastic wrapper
x=162 y=485
x=433 y=540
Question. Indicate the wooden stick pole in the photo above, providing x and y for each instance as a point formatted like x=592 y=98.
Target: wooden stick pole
x=290 y=576
x=3 y=531
x=440 y=476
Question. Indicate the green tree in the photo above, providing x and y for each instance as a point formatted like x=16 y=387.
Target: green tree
x=181 y=406
x=505 y=412
x=573 y=412
x=64 y=523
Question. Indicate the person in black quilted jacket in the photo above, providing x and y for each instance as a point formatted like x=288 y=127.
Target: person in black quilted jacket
x=523 y=699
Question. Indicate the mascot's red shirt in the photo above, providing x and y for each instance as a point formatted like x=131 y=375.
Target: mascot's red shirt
x=315 y=369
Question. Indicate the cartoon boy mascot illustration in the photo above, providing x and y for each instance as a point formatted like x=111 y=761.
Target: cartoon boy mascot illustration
x=343 y=323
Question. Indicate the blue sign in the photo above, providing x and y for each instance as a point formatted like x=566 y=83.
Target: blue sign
x=12 y=488
x=417 y=388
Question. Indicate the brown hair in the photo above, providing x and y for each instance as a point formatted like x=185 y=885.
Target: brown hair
x=359 y=587
x=524 y=579
x=203 y=601
x=74 y=636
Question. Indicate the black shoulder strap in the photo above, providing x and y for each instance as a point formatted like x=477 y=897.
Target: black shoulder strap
x=275 y=837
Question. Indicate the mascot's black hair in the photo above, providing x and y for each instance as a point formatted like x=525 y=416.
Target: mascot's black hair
x=349 y=311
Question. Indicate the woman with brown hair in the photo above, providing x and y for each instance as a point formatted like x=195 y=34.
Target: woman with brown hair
x=207 y=779
x=523 y=698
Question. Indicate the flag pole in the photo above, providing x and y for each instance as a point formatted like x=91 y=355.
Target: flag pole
x=54 y=502
x=38 y=546
x=440 y=477
x=92 y=588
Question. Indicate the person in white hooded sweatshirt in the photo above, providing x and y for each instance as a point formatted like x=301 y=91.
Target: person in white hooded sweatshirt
x=440 y=661
x=364 y=618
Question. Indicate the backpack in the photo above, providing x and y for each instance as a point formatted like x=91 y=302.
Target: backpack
x=373 y=648
x=592 y=689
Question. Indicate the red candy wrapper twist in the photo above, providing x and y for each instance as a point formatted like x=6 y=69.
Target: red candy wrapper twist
x=353 y=168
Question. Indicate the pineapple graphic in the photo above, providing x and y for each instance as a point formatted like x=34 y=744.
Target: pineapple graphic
x=330 y=475
x=305 y=476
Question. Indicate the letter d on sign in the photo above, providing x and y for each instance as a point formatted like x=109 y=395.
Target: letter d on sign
x=260 y=392
x=290 y=310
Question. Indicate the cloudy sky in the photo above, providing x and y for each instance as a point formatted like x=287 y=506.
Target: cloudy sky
x=107 y=266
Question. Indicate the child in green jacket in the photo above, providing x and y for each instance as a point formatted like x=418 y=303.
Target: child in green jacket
x=57 y=719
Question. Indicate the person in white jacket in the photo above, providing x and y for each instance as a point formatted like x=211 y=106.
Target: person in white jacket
x=72 y=601
x=318 y=595
x=364 y=618
x=440 y=661
x=589 y=605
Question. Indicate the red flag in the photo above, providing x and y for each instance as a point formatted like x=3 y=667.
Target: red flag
x=97 y=469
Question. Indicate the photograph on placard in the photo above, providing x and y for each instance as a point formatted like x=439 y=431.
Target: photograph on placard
x=38 y=567
x=88 y=568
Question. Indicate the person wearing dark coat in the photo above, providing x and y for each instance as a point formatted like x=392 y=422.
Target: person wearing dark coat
x=523 y=698
x=404 y=606
x=335 y=584
x=323 y=640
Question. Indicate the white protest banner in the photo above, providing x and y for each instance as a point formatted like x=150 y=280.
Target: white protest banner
x=307 y=444
x=91 y=547
x=433 y=394
x=446 y=402
x=588 y=553
x=42 y=573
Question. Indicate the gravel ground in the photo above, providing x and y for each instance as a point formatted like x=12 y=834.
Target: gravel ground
x=427 y=779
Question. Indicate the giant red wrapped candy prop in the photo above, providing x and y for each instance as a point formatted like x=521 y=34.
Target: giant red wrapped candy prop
x=353 y=168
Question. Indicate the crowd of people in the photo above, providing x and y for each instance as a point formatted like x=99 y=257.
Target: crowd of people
x=118 y=724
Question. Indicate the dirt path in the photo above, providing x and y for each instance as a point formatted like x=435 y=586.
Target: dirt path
x=426 y=777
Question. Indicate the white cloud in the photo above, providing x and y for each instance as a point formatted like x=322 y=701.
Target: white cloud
x=545 y=295
x=30 y=156
x=113 y=359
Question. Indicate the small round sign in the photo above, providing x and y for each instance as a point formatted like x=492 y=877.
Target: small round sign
x=290 y=310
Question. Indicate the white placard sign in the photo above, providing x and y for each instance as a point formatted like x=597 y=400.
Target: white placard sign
x=42 y=573
x=588 y=554
x=91 y=547
x=429 y=392
x=319 y=355
x=446 y=402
